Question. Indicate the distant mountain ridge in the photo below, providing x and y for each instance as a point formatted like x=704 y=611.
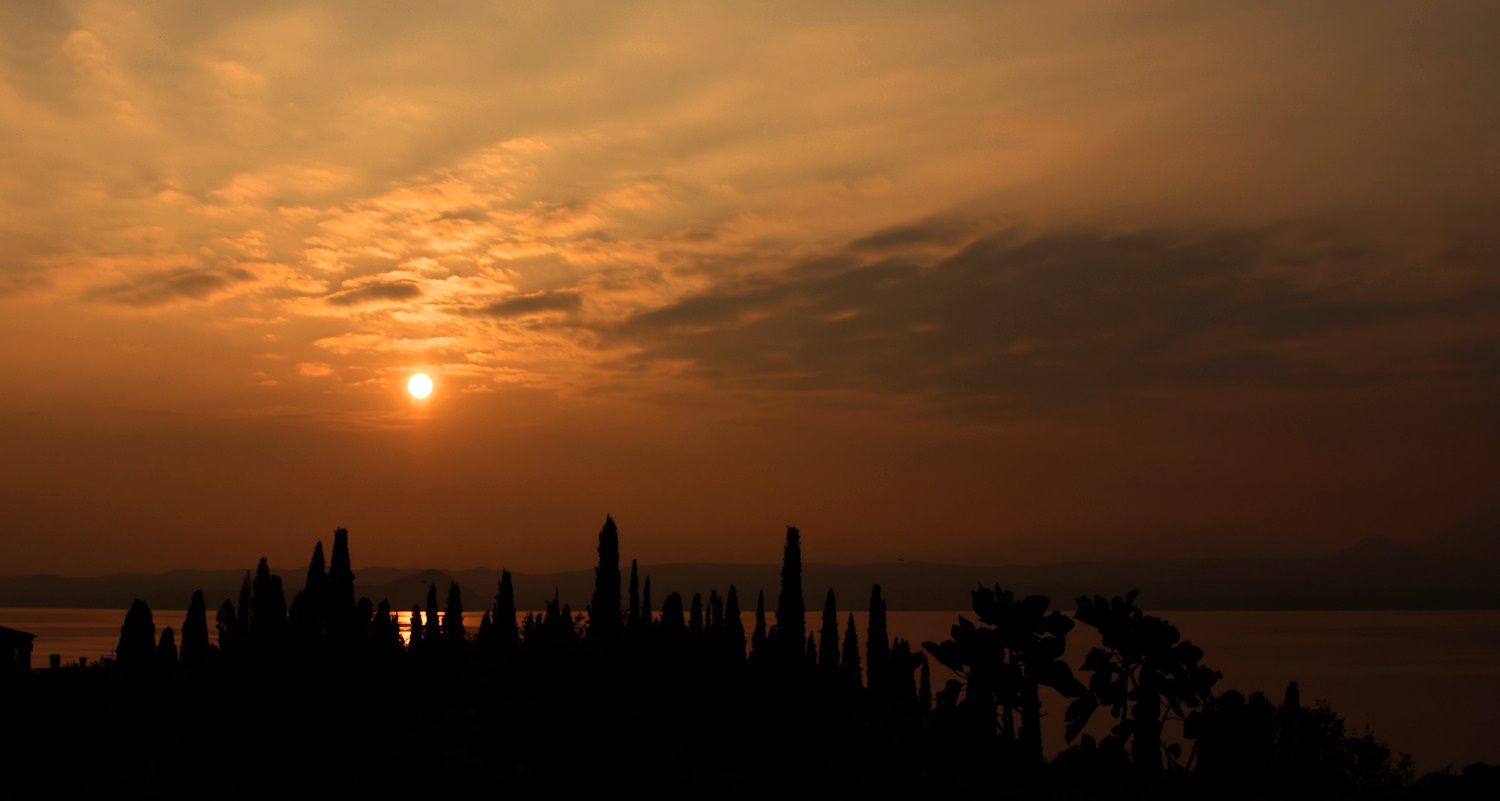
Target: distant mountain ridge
x=1374 y=573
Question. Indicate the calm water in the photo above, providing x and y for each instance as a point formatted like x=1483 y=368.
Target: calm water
x=1427 y=683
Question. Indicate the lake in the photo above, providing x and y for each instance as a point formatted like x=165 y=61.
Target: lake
x=1427 y=683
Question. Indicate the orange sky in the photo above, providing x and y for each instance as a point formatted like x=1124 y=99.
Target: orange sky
x=985 y=281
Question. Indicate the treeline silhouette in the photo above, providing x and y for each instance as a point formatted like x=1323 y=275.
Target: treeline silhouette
x=325 y=692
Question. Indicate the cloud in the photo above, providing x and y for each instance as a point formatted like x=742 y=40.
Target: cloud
x=535 y=303
x=167 y=286
x=399 y=290
x=1058 y=318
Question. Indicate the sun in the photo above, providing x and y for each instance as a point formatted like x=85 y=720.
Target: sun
x=420 y=386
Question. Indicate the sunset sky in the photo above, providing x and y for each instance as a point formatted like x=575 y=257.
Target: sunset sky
x=956 y=281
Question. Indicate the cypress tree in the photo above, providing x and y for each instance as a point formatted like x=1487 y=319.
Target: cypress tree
x=195 y=645
x=339 y=605
x=309 y=612
x=507 y=639
x=633 y=618
x=246 y=593
x=713 y=614
x=385 y=632
x=695 y=617
x=267 y=608
x=414 y=628
x=758 y=638
x=877 y=644
x=137 y=646
x=317 y=576
x=811 y=652
x=791 y=624
x=828 y=647
x=671 y=613
x=166 y=650
x=434 y=632
x=646 y=603
x=604 y=609
x=849 y=663
x=734 y=626
x=228 y=626
x=340 y=572
x=453 y=617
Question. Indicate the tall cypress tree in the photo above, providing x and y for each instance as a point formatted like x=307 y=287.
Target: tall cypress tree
x=247 y=592
x=671 y=614
x=268 y=608
x=414 y=628
x=195 y=645
x=453 y=617
x=633 y=616
x=758 y=638
x=791 y=625
x=734 y=626
x=849 y=662
x=695 y=616
x=166 y=650
x=434 y=631
x=828 y=646
x=340 y=606
x=604 y=609
x=228 y=625
x=137 y=646
x=309 y=612
x=507 y=638
x=877 y=643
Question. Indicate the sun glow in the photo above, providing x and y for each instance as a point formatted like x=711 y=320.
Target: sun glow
x=420 y=386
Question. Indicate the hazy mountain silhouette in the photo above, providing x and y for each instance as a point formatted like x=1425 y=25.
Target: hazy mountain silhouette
x=1450 y=569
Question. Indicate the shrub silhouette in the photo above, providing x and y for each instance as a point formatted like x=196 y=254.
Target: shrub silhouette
x=1145 y=674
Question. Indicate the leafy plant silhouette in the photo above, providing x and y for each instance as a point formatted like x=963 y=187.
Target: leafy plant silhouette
x=1006 y=661
x=1146 y=674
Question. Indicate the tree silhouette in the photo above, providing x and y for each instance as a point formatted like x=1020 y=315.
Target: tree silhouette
x=414 y=629
x=195 y=646
x=734 y=626
x=507 y=639
x=166 y=650
x=759 y=637
x=633 y=616
x=828 y=647
x=646 y=603
x=228 y=626
x=1145 y=673
x=671 y=614
x=1018 y=650
x=339 y=607
x=453 y=617
x=604 y=608
x=385 y=631
x=137 y=646
x=267 y=608
x=695 y=615
x=877 y=642
x=849 y=662
x=434 y=631
x=791 y=623
x=309 y=612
